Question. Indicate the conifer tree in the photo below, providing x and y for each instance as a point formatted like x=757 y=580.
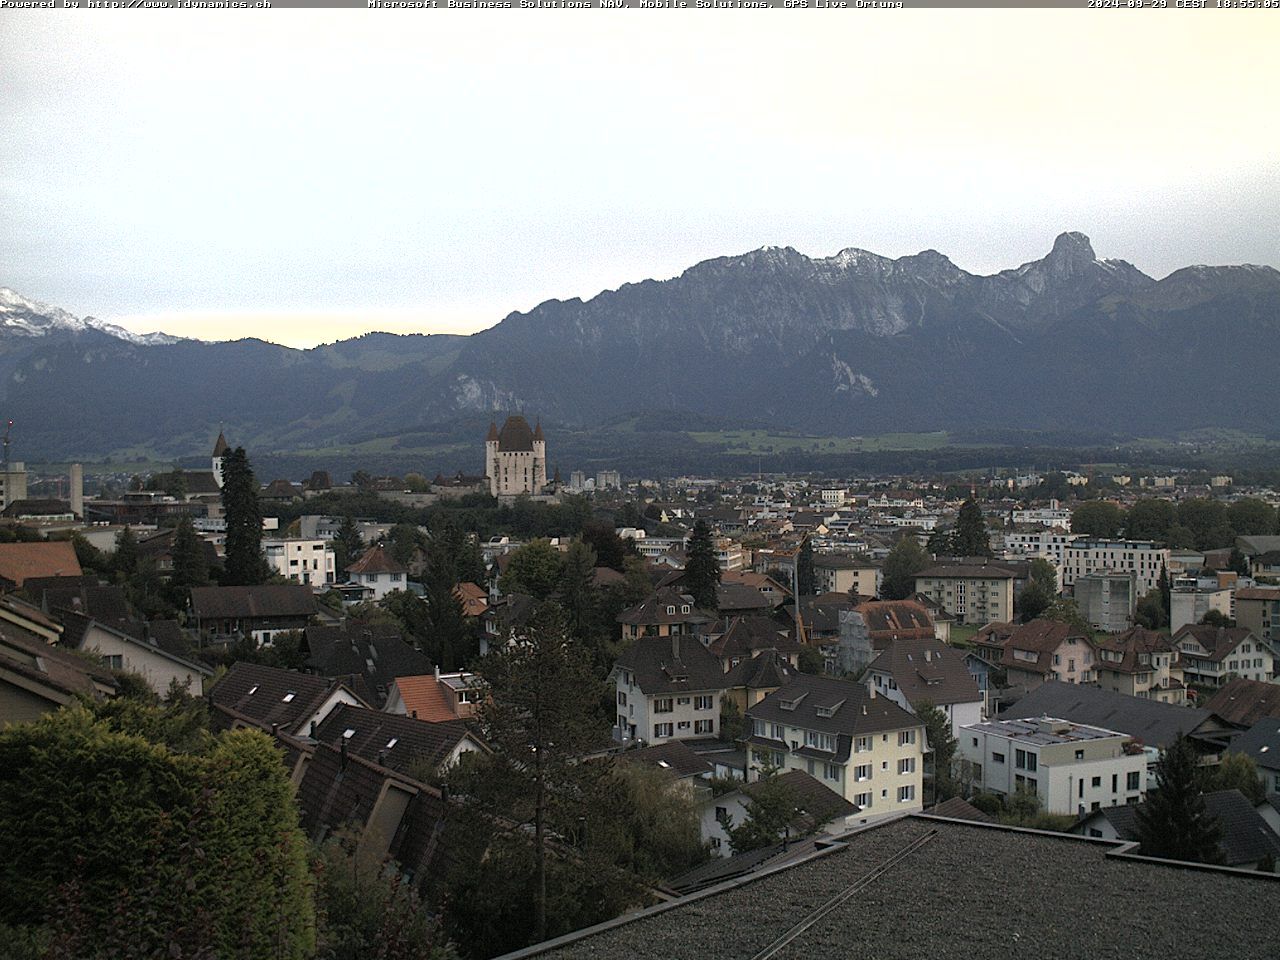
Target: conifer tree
x=190 y=567
x=1174 y=822
x=347 y=545
x=701 y=571
x=244 y=564
x=970 y=537
x=125 y=559
x=806 y=581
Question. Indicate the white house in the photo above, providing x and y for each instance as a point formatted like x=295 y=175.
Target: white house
x=379 y=571
x=667 y=688
x=1071 y=767
x=914 y=672
x=158 y=666
x=301 y=561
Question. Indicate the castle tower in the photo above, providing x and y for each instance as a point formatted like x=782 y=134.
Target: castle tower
x=539 y=459
x=219 y=449
x=491 y=458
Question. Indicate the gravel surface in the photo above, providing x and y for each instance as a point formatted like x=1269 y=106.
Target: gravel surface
x=970 y=892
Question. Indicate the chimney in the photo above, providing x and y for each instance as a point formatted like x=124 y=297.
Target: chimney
x=312 y=734
x=275 y=729
x=77 y=490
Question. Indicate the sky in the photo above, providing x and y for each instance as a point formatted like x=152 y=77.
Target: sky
x=309 y=175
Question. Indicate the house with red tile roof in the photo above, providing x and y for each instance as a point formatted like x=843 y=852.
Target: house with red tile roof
x=45 y=558
x=378 y=570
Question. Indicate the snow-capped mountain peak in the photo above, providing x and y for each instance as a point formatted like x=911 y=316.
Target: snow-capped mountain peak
x=30 y=318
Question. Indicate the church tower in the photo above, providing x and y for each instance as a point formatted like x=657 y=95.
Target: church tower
x=219 y=448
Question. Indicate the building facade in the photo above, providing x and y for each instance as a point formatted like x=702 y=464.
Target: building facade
x=1107 y=600
x=301 y=561
x=1143 y=558
x=1071 y=767
x=515 y=458
x=972 y=594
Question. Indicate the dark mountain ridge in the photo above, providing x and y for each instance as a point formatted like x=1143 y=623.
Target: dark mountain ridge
x=855 y=343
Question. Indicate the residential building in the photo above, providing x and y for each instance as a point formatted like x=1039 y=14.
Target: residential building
x=13 y=483
x=870 y=627
x=1140 y=663
x=42 y=558
x=368 y=657
x=863 y=746
x=1054 y=515
x=515 y=458
x=225 y=613
x=379 y=571
x=1107 y=600
x=301 y=561
x=667 y=688
x=400 y=743
x=820 y=810
x=912 y=673
x=668 y=612
x=1261 y=744
x=1247 y=842
x=1258 y=609
x=972 y=594
x=37 y=678
x=728 y=553
x=1049 y=544
x=1031 y=653
x=272 y=699
x=736 y=639
x=608 y=480
x=1069 y=766
x=839 y=573
x=436 y=697
x=687 y=772
x=1144 y=558
x=1242 y=703
x=1189 y=602
x=1211 y=655
x=161 y=666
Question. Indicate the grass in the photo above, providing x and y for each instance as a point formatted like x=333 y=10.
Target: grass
x=755 y=442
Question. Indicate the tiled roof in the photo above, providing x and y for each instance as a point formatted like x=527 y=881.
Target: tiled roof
x=392 y=740
x=1153 y=723
x=734 y=597
x=966 y=571
x=515 y=435
x=474 y=599
x=654 y=610
x=1261 y=742
x=828 y=705
x=928 y=670
x=745 y=636
x=672 y=757
x=887 y=619
x=372 y=653
x=958 y=809
x=45 y=558
x=377 y=560
x=1132 y=644
x=817 y=803
x=423 y=698
x=767 y=669
x=1242 y=703
x=1218 y=641
x=1258 y=593
x=247 y=603
x=269 y=695
x=1041 y=637
x=60 y=670
x=672 y=665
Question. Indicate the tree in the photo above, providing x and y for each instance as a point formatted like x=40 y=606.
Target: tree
x=577 y=592
x=405 y=542
x=771 y=807
x=701 y=571
x=937 y=728
x=1236 y=771
x=533 y=569
x=1150 y=612
x=1238 y=562
x=125 y=558
x=1149 y=519
x=939 y=542
x=1180 y=537
x=1097 y=518
x=1034 y=600
x=193 y=854
x=970 y=538
x=1045 y=573
x=540 y=717
x=905 y=560
x=1249 y=515
x=1216 y=618
x=811 y=660
x=448 y=638
x=1207 y=519
x=190 y=566
x=1066 y=610
x=609 y=548
x=244 y=563
x=806 y=581
x=347 y=545
x=1174 y=823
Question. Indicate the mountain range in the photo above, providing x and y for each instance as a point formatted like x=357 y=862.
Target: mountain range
x=854 y=344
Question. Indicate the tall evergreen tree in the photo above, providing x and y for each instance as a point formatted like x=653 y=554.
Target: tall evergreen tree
x=125 y=559
x=348 y=545
x=970 y=537
x=701 y=571
x=1174 y=822
x=190 y=567
x=244 y=563
x=450 y=639
x=806 y=581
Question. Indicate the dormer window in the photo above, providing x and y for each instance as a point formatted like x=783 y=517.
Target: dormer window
x=684 y=608
x=671 y=611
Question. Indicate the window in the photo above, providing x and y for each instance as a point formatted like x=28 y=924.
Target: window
x=682 y=701
x=1096 y=783
x=703 y=726
x=862 y=800
x=758 y=728
x=905 y=737
x=831 y=771
x=862 y=771
x=722 y=814
x=820 y=741
x=288 y=696
x=115 y=661
x=395 y=578
x=715 y=843
x=906 y=793
x=662 y=730
x=1024 y=760
x=1133 y=781
x=997 y=758
x=778 y=732
x=861 y=744
x=622 y=699
x=1080 y=756
x=703 y=703
x=1115 y=782
x=907 y=765
x=663 y=705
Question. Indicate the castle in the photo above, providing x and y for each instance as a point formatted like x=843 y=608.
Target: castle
x=515 y=458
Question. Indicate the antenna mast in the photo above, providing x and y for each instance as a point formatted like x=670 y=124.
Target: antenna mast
x=7 y=427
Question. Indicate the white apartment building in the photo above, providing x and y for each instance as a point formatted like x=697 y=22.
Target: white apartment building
x=835 y=498
x=667 y=688
x=301 y=561
x=1048 y=544
x=1053 y=515
x=1071 y=767
x=1144 y=558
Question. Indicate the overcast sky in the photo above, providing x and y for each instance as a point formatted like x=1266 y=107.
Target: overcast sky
x=307 y=175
